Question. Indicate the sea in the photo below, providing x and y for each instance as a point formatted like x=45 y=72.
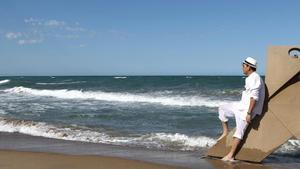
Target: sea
x=165 y=113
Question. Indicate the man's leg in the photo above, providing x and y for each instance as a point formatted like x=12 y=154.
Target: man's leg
x=230 y=155
x=225 y=111
x=241 y=126
x=225 y=130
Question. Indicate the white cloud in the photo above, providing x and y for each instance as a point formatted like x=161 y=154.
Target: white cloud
x=66 y=36
x=55 y=27
x=39 y=30
x=34 y=22
x=119 y=34
x=74 y=29
x=82 y=45
x=13 y=35
x=29 y=41
x=55 y=23
x=23 y=38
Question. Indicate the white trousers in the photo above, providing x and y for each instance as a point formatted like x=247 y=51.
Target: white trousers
x=231 y=110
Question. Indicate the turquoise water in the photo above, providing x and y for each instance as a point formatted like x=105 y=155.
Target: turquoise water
x=156 y=112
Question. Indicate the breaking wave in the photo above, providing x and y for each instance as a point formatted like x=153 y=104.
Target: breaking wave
x=61 y=83
x=162 y=141
x=120 y=77
x=4 y=81
x=174 y=100
x=165 y=141
x=291 y=146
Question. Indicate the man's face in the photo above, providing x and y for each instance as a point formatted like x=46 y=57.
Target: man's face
x=246 y=69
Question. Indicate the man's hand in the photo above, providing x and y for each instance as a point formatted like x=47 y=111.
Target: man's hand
x=248 y=118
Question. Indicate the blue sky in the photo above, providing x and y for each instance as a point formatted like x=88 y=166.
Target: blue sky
x=141 y=37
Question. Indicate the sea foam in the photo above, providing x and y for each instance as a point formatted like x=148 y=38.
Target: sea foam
x=161 y=141
x=173 y=100
x=4 y=81
x=120 y=77
x=61 y=83
x=165 y=141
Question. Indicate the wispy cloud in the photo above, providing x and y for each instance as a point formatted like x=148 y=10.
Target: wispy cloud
x=40 y=30
x=82 y=45
x=23 y=38
x=33 y=22
x=75 y=29
x=118 y=34
x=13 y=35
x=36 y=31
x=42 y=22
x=55 y=23
x=29 y=41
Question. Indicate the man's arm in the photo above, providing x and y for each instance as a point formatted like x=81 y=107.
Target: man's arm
x=251 y=107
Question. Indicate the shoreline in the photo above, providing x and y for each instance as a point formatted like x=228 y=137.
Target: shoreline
x=33 y=152
x=37 y=160
x=25 y=143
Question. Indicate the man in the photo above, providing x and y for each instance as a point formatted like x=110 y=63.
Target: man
x=251 y=104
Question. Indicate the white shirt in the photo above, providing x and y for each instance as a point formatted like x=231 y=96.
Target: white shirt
x=255 y=88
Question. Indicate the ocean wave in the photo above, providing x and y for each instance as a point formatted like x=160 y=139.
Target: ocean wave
x=181 y=141
x=162 y=141
x=291 y=146
x=231 y=91
x=2 y=112
x=120 y=77
x=174 y=100
x=61 y=83
x=4 y=81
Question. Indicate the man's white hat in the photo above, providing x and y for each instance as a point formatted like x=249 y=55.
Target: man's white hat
x=250 y=61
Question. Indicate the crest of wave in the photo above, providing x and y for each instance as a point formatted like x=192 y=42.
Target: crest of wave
x=173 y=100
x=4 y=81
x=165 y=141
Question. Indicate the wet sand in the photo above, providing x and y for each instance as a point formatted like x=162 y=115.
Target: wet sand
x=28 y=152
x=34 y=160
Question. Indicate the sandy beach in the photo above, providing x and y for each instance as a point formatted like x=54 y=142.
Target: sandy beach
x=149 y=84
x=30 y=152
x=34 y=160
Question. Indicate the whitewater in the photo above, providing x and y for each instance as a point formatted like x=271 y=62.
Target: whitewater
x=120 y=97
x=168 y=113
